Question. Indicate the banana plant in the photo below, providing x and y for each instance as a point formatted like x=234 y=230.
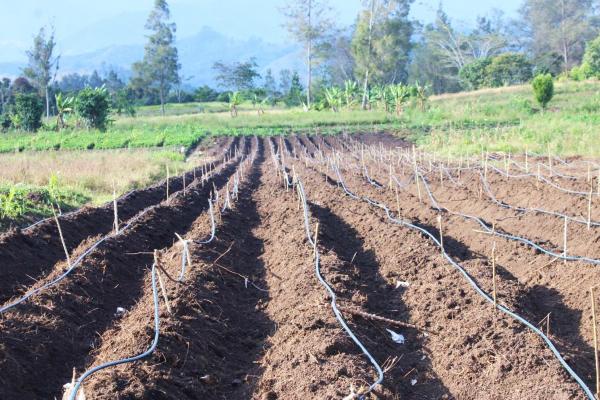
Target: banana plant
x=399 y=94
x=421 y=95
x=334 y=98
x=64 y=106
x=379 y=96
x=235 y=99
x=350 y=93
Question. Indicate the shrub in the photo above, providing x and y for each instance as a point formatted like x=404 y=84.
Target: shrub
x=591 y=58
x=474 y=75
x=28 y=112
x=508 y=69
x=93 y=106
x=581 y=73
x=543 y=89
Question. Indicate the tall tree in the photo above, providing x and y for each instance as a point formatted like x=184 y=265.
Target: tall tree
x=382 y=42
x=308 y=23
x=43 y=65
x=560 y=27
x=269 y=84
x=159 y=70
x=237 y=76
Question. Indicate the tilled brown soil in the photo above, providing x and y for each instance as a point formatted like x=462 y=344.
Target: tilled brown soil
x=29 y=254
x=252 y=321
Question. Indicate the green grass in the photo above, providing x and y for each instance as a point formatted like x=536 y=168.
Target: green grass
x=22 y=204
x=508 y=120
x=505 y=119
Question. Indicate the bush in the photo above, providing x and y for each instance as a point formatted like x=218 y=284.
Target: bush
x=543 y=89
x=28 y=112
x=581 y=73
x=508 y=69
x=474 y=76
x=591 y=58
x=93 y=106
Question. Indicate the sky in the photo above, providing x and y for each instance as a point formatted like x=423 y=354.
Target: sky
x=82 y=25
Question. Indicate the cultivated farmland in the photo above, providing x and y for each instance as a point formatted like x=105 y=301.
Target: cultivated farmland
x=310 y=266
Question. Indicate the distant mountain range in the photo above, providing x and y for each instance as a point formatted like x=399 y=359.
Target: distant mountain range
x=197 y=54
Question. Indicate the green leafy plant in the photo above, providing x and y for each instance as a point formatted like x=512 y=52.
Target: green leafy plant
x=350 y=93
x=398 y=95
x=10 y=206
x=64 y=106
x=93 y=106
x=28 y=112
x=334 y=98
x=235 y=99
x=543 y=89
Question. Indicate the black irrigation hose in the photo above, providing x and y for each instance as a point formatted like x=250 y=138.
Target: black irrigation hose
x=472 y=282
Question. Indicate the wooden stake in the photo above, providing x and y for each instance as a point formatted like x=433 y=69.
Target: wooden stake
x=549 y=159
x=494 y=274
x=167 y=183
x=62 y=239
x=565 y=240
x=526 y=161
x=441 y=176
x=116 y=222
x=162 y=284
x=439 y=218
x=397 y=201
x=589 y=220
x=316 y=237
x=595 y=330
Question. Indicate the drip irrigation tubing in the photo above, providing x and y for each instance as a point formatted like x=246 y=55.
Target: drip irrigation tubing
x=76 y=263
x=332 y=294
x=150 y=350
x=474 y=284
x=185 y=258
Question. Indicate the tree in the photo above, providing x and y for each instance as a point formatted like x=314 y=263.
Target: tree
x=382 y=42
x=113 y=83
x=591 y=59
x=270 y=86
x=205 y=94
x=558 y=26
x=71 y=83
x=295 y=91
x=93 y=106
x=543 y=89
x=474 y=75
x=95 y=80
x=285 y=80
x=238 y=76
x=308 y=23
x=159 y=70
x=28 y=112
x=4 y=93
x=42 y=64
x=508 y=69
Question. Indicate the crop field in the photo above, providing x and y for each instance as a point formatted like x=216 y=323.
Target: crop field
x=314 y=267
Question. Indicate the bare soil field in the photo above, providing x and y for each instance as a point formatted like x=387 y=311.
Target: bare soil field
x=319 y=267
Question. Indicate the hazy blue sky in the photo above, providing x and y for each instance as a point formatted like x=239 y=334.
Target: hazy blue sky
x=83 y=25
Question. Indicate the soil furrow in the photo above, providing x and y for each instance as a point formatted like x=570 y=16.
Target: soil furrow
x=28 y=255
x=60 y=326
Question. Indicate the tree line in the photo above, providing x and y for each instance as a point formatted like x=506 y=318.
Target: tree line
x=383 y=51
